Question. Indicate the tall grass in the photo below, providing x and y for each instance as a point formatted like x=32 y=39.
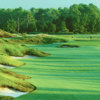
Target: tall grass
x=38 y=39
x=5 y=34
x=6 y=98
x=15 y=81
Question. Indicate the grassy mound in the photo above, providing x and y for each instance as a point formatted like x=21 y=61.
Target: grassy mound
x=7 y=50
x=39 y=39
x=5 y=34
x=20 y=50
x=6 y=98
x=6 y=71
x=7 y=60
x=14 y=81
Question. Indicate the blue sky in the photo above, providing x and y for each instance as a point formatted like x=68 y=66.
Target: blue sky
x=27 y=4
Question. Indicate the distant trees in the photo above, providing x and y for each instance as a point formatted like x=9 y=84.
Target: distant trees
x=11 y=26
x=80 y=18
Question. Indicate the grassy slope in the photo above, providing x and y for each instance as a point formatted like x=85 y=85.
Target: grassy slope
x=38 y=39
x=68 y=74
x=14 y=80
x=7 y=50
x=7 y=60
x=5 y=34
x=11 y=79
x=6 y=98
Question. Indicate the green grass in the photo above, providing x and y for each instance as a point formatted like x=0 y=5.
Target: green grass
x=38 y=39
x=82 y=43
x=6 y=98
x=7 y=60
x=5 y=34
x=19 y=50
x=7 y=50
x=80 y=37
x=16 y=81
x=68 y=74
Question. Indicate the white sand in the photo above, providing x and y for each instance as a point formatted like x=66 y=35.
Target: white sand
x=25 y=57
x=5 y=66
x=11 y=92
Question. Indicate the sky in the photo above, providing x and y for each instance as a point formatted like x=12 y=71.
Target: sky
x=27 y=4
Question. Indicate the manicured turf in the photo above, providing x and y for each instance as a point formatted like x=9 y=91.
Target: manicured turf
x=80 y=37
x=68 y=74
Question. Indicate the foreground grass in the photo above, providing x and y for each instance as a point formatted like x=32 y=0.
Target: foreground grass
x=10 y=48
x=7 y=60
x=68 y=74
x=14 y=81
x=6 y=98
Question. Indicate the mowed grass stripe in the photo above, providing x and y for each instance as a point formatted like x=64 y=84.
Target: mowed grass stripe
x=68 y=74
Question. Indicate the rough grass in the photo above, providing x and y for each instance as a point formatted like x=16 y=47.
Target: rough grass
x=7 y=60
x=19 y=50
x=7 y=50
x=15 y=81
x=6 y=71
x=5 y=34
x=38 y=39
x=6 y=98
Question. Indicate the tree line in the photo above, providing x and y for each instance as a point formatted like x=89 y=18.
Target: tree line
x=78 y=18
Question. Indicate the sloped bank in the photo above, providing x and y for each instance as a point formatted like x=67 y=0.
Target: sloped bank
x=10 y=52
x=14 y=84
x=10 y=92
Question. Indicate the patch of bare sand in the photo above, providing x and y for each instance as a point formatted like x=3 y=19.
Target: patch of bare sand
x=10 y=92
x=25 y=57
x=6 y=66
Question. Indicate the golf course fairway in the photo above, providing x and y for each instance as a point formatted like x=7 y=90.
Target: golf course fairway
x=67 y=74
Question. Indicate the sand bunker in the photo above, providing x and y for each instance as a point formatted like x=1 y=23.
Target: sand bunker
x=5 y=66
x=25 y=57
x=11 y=92
x=65 y=46
x=69 y=46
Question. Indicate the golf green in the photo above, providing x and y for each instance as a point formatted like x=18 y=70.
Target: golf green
x=68 y=74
